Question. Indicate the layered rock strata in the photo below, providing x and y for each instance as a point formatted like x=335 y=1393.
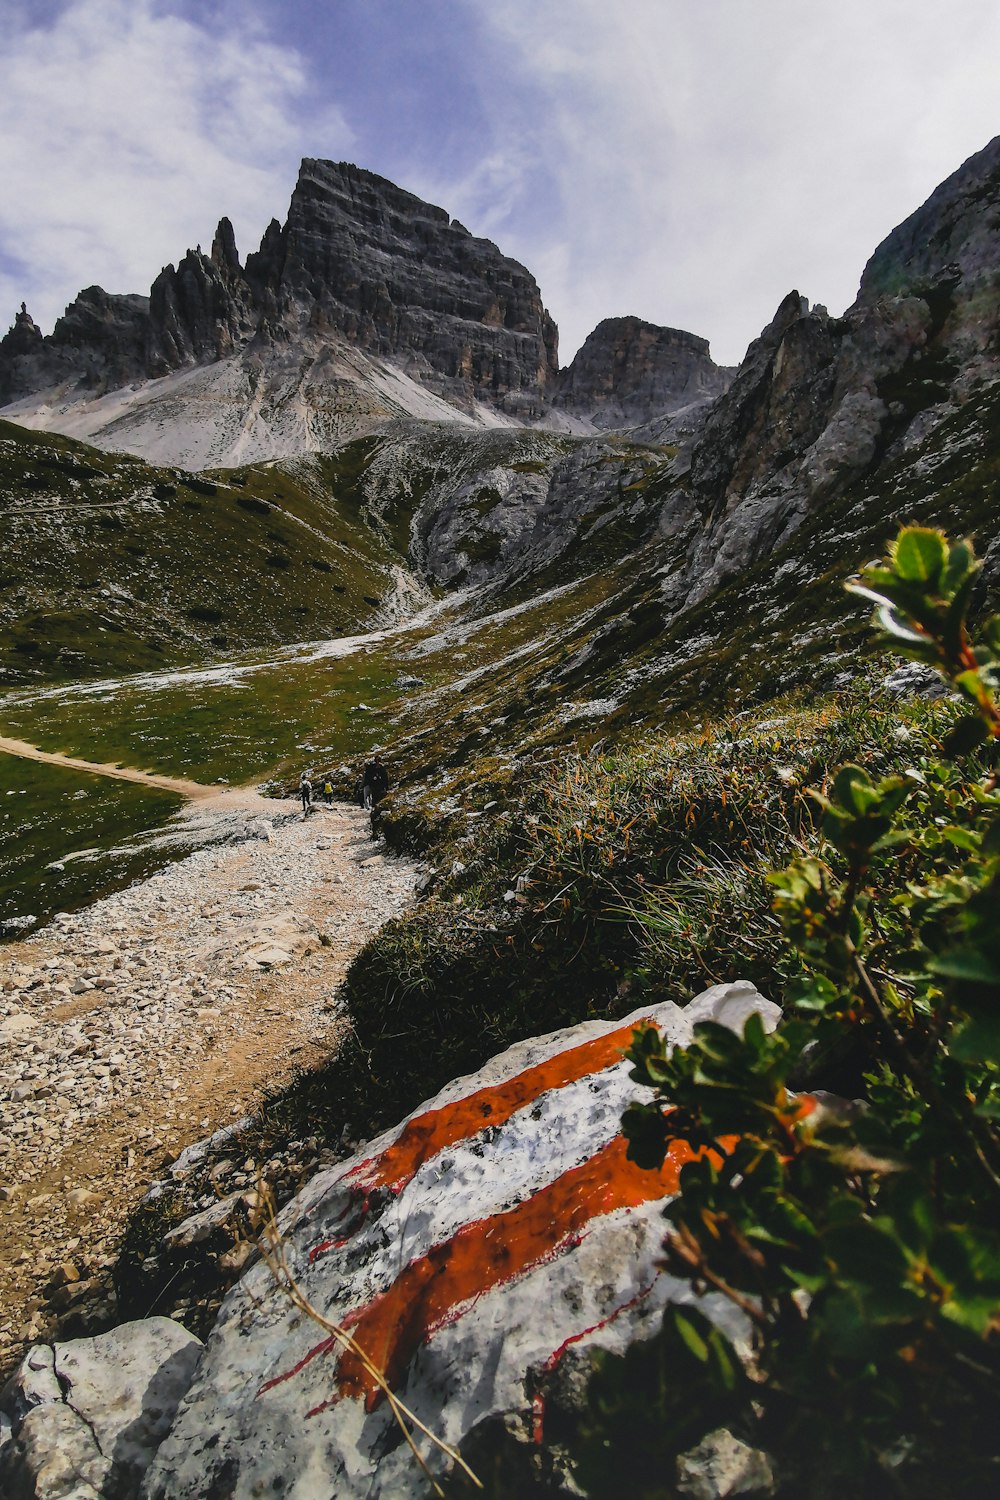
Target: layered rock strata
x=357 y=259
x=627 y=370
x=360 y=266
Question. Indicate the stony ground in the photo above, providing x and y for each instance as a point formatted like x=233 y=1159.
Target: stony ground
x=149 y=1020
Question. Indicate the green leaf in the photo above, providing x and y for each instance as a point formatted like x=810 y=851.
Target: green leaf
x=961 y=838
x=961 y=562
x=646 y=1132
x=971 y=684
x=866 y=1255
x=977 y=1040
x=853 y=789
x=815 y=993
x=975 y=1313
x=919 y=555
x=691 y=1337
x=966 y=963
x=968 y=732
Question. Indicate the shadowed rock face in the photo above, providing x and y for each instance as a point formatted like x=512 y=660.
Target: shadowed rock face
x=955 y=229
x=357 y=257
x=819 y=402
x=400 y=279
x=100 y=341
x=627 y=370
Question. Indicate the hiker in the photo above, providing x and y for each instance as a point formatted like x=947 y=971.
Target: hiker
x=305 y=792
x=374 y=781
x=328 y=792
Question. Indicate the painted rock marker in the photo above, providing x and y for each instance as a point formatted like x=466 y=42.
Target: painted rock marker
x=498 y=1226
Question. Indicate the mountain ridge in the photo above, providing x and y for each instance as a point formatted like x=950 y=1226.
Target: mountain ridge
x=361 y=270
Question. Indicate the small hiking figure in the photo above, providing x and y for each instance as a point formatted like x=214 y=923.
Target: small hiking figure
x=328 y=792
x=305 y=792
x=374 y=781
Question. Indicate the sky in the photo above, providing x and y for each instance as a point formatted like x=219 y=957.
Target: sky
x=685 y=161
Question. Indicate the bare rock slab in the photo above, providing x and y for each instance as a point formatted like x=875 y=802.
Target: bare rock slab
x=467 y=1251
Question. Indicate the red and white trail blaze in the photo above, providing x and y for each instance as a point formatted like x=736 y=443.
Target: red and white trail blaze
x=499 y=1226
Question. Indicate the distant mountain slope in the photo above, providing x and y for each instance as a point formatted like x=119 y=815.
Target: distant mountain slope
x=821 y=403
x=821 y=410
x=112 y=566
x=628 y=370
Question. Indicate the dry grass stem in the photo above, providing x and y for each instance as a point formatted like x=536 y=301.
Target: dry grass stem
x=271 y=1245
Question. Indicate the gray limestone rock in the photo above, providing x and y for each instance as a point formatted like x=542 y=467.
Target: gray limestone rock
x=365 y=259
x=359 y=261
x=54 y=1456
x=468 y=1250
x=819 y=402
x=628 y=371
x=88 y=1415
x=722 y=1466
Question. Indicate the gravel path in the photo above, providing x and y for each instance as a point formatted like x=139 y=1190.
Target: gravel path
x=154 y=1017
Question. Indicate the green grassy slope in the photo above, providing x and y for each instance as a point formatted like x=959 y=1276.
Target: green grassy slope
x=96 y=826
x=111 y=566
x=537 y=666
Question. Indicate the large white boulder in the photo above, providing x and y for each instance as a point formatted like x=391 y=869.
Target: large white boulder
x=467 y=1250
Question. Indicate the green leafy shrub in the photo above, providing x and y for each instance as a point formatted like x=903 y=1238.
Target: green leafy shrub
x=858 y=1236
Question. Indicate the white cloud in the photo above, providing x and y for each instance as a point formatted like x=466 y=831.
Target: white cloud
x=689 y=161
x=708 y=155
x=126 y=132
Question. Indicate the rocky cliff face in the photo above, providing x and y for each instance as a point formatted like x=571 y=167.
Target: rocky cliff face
x=358 y=260
x=397 y=277
x=949 y=241
x=628 y=370
x=820 y=402
x=359 y=268
x=98 y=343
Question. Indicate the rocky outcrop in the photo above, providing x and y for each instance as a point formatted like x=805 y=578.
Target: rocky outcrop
x=946 y=254
x=202 y=311
x=820 y=402
x=359 y=268
x=87 y=1416
x=521 y=1162
x=399 y=278
x=628 y=371
x=476 y=1252
x=99 y=343
x=358 y=260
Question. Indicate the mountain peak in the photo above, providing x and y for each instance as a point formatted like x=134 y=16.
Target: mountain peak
x=628 y=369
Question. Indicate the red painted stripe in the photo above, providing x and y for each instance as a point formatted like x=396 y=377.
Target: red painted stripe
x=488 y=1253
x=321 y=1348
x=538 y=1402
x=436 y=1129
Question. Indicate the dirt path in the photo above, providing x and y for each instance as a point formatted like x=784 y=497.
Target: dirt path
x=156 y=1016
x=193 y=790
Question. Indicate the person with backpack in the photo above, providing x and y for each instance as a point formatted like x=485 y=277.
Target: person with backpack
x=305 y=792
x=374 y=781
x=328 y=792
